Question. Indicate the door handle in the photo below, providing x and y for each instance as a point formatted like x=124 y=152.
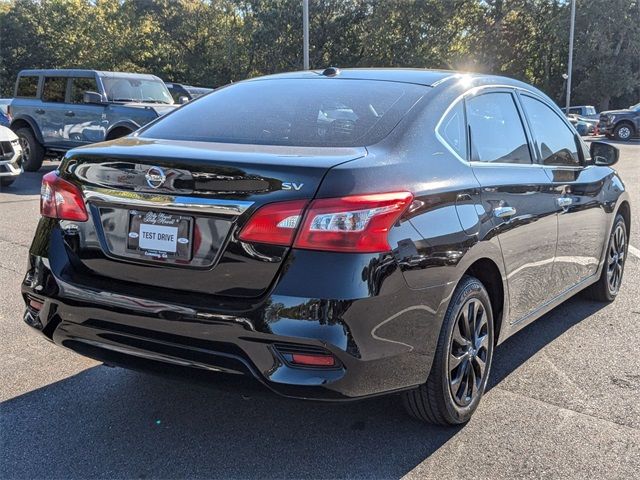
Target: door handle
x=504 y=212
x=69 y=114
x=39 y=111
x=564 y=202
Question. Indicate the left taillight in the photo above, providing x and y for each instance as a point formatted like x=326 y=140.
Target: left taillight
x=61 y=199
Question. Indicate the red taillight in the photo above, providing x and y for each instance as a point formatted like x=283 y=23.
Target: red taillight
x=275 y=223
x=61 y=199
x=313 y=360
x=358 y=223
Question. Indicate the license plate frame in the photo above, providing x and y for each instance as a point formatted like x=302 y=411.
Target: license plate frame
x=160 y=222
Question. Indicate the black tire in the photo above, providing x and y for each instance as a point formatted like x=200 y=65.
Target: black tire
x=443 y=400
x=623 y=132
x=7 y=181
x=608 y=285
x=32 y=151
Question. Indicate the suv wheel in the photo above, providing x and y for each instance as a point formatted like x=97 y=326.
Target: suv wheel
x=32 y=151
x=6 y=181
x=623 y=131
x=462 y=360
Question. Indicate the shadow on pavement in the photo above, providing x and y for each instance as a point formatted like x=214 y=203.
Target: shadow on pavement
x=28 y=183
x=116 y=423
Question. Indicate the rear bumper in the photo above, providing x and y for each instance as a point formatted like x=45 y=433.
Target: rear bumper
x=383 y=343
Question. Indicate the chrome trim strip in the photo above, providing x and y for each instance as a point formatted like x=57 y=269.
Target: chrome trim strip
x=171 y=202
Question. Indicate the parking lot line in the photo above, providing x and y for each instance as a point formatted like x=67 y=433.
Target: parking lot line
x=634 y=251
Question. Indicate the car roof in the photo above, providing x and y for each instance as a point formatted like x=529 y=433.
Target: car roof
x=82 y=72
x=420 y=76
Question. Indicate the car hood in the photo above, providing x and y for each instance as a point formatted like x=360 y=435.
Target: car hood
x=7 y=135
x=617 y=112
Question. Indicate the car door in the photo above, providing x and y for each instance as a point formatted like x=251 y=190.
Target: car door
x=578 y=192
x=517 y=194
x=52 y=115
x=87 y=122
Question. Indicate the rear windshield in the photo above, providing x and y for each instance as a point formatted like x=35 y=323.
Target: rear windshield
x=295 y=112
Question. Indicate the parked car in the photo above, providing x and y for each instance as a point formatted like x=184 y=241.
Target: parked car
x=245 y=233
x=584 y=126
x=621 y=124
x=10 y=157
x=187 y=91
x=55 y=110
x=5 y=118
x=586 y=111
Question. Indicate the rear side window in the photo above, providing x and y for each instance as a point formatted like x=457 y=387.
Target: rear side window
x=27 y=87
x=555 y=141
x=54 y=89
x=81 y=85
x=296 y=112
x=496 y=129
x=453 y=131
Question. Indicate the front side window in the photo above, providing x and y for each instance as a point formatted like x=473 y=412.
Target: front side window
x=54 y=89
x=81 y=85
x=27 y=87
x=293 y=112
x=453 y=131
x=556 y=142
x=133 y=89
x=496 y=129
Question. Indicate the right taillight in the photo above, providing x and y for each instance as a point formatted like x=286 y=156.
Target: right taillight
x=357 y=223
x=61 y=199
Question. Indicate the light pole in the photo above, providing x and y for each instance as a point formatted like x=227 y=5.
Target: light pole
x=570 y=65
x=305 y=33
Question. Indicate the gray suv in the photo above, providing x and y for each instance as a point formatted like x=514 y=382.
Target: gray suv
x=56 y=110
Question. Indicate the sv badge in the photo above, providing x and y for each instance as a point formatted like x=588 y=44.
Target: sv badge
x=292 y=186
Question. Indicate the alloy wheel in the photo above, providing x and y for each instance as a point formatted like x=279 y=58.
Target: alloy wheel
x=26 y=149
x=616 y=257
x=624 y=132
x=468 y=352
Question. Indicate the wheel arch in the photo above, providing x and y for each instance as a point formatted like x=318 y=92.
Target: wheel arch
x=625 y=210
x=24 y=121
x=487 y=271
x=128 y=126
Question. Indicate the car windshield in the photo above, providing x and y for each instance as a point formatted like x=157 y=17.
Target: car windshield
x=590 y=111
x=131 y=89
x=295 y=112
x=635 y=108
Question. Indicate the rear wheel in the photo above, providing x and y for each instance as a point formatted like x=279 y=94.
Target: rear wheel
x=624 y=131
x=32 y=151
x=608 y=285
x=462 y=360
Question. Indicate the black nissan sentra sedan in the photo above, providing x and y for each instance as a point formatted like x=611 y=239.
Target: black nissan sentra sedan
x=334 y=234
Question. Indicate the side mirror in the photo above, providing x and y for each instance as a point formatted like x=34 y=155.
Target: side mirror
x=603 y=153
x=92 y=97
x=183 y=99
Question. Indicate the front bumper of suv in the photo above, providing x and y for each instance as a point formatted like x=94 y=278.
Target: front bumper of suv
x=383 y=339
x=10 y=159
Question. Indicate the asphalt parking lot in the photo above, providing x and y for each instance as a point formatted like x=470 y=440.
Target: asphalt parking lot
x=563 y=401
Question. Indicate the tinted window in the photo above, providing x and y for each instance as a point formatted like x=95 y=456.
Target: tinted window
x=27 y=87
x=575 y=111
x=555 y=140
x=310 y=112
x=54 y=89
x=81 y=85
x=453 y=131
x=497 y=134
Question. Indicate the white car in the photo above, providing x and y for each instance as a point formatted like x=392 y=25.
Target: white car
x=10 y=157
